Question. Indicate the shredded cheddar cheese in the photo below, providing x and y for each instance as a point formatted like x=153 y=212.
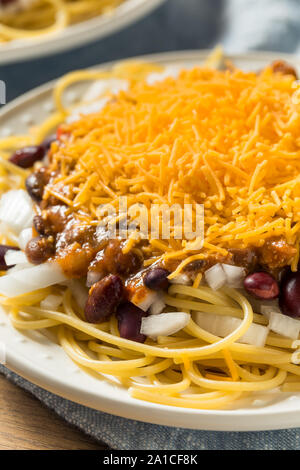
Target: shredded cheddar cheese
x=226 y=139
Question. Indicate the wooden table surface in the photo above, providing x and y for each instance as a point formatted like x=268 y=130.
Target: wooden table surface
x=26 y=424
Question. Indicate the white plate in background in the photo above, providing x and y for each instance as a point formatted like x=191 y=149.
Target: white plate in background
x=36 y=358
x=78 y=34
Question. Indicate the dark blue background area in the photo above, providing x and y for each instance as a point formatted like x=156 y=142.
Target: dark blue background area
x=176 y=25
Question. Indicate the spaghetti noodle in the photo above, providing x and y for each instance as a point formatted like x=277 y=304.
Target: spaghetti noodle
x=33 y=19
x=224 y=138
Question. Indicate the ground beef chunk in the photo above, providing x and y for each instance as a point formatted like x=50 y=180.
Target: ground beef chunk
x=280 y=66
x=75 y=260
x=82 y=234
x=117 y=262
x=36 y=182
x=39 y=249
x=56 y=218
x=245 y=258
x=276 y=253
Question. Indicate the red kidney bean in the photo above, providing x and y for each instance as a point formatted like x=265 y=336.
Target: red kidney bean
x=3 y=250
x=261 y=285
x=27 y=156
x=104 y=297
x=39 y=249
x=289 y=297
x=129 y=322
x=156 y=279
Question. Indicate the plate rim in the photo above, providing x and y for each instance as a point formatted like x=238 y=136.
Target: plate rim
x=79 y=34
x=231 y=420
x=168 y=56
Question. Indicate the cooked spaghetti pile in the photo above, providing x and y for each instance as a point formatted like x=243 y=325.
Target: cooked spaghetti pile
x=35 y=18
x=228 y=140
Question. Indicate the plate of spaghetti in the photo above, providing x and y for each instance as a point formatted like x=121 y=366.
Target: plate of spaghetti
x=31 y=28
x=150 y=228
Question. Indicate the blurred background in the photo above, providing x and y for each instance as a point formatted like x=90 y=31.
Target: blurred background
x=240 y=25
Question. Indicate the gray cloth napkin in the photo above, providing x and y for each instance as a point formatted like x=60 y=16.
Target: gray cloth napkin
x=178 y=24
x=124 y=434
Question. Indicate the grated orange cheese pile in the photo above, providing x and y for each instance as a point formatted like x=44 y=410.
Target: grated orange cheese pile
x=227 y=139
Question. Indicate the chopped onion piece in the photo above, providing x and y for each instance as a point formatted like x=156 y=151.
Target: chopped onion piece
x=51 y=302
x=215 y=276
x=223 y=325
x=267 y=309
x=157 y=306
x=170 y=71
x=13 y=257
x=10 y=287
x=86 y=109
x=29 y=279
x=144 y=299
x=284 y=325
x=79 y=292
x=109 y=85
x=19 y=267
x=234 y=275
x=93 y=277
x=24 y=237
x=164 y=324
x=16 y=210
x=181 y=279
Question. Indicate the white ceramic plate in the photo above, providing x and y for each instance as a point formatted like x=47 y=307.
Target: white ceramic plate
x=44 y=363
x=78 y=34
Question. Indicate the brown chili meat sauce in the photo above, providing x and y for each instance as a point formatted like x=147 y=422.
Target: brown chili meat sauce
x=86 y=250
x=79 y=248
x=274 y=255
x=280 y=66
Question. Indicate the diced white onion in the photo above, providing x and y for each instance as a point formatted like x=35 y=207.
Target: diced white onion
x=51 y=302
x=86 y=109
x=220 y=274
x=181 y=279
x=19 y=267
x=16 y=210
x=94 y=101
x=144 y=301
x=170 y=71
x=215 y=276
x=157 y=306
x=223 y=325
x=12 y=257
x=24 y=237
x=31 y=278
x=93 y=277
x=109 y=85
x=234 y=275
x=284 y=325
x=164 y=324
x=79 y=292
